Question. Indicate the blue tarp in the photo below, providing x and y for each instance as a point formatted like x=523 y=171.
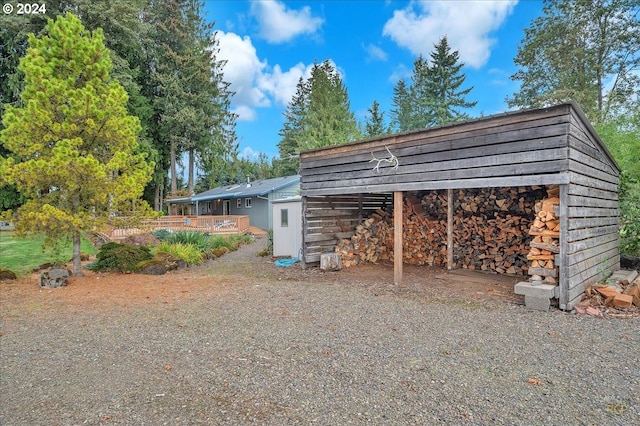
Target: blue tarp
x=286 y=262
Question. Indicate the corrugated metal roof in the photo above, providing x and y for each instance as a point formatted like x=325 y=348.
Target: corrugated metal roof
x=252 y=189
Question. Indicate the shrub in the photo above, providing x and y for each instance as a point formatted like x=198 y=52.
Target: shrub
x=188 y=253
x=269 y=246
x=119 y=257
x=162 y=234
x=198 y=239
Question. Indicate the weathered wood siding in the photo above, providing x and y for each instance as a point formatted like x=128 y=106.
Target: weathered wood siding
x=327 y=219
x=508 y=150
x=555 y=145
x=590 y=206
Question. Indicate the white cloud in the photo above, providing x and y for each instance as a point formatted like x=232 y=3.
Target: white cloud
x=250 y=154
x=281 y=85
x=399 y=72
x=244 y=112
x=255 y=84
x=467 y=25
x=242 y=69
x=375 y=53
x=279 y=24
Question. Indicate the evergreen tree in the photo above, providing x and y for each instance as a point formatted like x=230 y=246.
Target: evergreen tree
x=292 y=130
x=191 y=100
x=445 y=103
x=318 y=115
x=125 y=35
x=75 y=142
x=420 y=115
x=374 y=124
x=585 y=50
x=401 y=114
x=434 y=97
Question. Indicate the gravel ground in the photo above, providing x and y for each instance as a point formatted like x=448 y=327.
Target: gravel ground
x=239 y=342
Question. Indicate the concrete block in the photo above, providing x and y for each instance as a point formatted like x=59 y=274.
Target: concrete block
x=537 y=303
x=528 y=289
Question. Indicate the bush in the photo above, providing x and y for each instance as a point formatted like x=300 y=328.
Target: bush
x=188 y=253
x=118 y=257
x=197 y=239
x=162 y=234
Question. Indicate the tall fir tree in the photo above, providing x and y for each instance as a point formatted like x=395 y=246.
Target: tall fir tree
x=75 y=141
x=446 y=102
x=374 y=122
x=192 y=100
x=401 y=113
x=434 y=96
x=318 y=115
x=292 y=129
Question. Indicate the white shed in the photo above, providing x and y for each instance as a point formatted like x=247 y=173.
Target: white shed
x=287 y=227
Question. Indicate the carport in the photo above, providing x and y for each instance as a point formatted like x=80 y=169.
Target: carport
x=343 y=185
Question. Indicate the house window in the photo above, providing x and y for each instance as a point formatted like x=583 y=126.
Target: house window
x=239 y=203
x=247 y=203
x=284 y=218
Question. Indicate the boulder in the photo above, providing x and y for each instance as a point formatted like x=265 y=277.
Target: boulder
x=630 y=262
x=54 y=277
x=7 y=274
x=154 y=269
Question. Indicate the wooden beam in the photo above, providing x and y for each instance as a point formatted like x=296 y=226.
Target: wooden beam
x=397 y=237
x=562 y=259
x=449 y=229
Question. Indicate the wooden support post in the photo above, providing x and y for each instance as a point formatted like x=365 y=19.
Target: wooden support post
x=397 y=238
x=449 y=229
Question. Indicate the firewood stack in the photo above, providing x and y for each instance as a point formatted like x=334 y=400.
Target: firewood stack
x=489 y=228
x=545 y=244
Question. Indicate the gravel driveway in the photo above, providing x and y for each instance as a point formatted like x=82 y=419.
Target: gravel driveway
x=240 y=342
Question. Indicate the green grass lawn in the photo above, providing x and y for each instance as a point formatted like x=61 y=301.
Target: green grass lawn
x=21 y=255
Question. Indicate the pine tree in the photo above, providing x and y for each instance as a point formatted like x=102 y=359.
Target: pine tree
x=292 y=130
x=75 y=141
x=434 y=97
x=318 y=115
x=445 y=103
x=374 y=124
x=401 y=114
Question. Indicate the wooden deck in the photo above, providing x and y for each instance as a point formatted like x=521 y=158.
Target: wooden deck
x=218 y=225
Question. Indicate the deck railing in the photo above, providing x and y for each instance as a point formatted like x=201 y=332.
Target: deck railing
x=228 y=224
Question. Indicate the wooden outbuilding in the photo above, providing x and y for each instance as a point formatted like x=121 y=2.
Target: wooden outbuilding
x=342 y=186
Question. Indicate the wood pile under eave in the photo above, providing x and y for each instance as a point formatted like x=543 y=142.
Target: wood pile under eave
x=545 y=229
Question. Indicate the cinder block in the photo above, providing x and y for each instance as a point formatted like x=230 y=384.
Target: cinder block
x=542 y=290
x=537 y=303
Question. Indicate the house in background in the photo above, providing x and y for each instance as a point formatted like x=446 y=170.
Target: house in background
x=251 y=199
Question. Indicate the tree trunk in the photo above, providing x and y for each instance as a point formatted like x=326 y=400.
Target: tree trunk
x=190 y=182
x=77 y=263
x=156 y=198
x=174 y=177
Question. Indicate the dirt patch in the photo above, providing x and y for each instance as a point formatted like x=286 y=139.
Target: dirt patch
x=106 y=290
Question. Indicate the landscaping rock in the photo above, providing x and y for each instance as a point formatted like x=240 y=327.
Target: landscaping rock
x=44 y=266
x=54 y=277
x=7 y=274
x=629 y=262
x=154 y=269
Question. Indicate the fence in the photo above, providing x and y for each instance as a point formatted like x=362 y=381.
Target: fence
x=213 y=224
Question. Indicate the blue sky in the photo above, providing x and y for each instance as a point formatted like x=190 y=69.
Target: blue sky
x=268 y=45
